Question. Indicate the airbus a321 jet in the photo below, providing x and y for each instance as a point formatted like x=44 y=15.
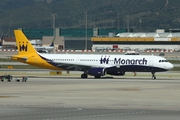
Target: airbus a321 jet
x=96 y=65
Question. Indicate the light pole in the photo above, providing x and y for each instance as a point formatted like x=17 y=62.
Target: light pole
x=54 y=28
x=53 y=24
x=86 y=29
x=118 y=21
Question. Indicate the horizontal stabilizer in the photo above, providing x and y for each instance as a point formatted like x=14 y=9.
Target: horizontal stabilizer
x=19 y=58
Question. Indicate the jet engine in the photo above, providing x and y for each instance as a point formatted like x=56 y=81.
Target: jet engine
x=97 y=71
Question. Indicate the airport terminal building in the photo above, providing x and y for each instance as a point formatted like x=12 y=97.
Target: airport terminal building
x=103 y=39
x=106 y=38
x=141 y=41
x=70 y=38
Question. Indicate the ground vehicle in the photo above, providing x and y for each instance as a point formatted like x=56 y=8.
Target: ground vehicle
x=9 y=78
x=24 y=79
x=6 y=77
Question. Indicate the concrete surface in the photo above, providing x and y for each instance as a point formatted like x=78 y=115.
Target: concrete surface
x=69 y=97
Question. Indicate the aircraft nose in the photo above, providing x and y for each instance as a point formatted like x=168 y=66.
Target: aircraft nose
x=170 y=66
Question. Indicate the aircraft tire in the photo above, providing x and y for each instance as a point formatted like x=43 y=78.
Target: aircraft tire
x=97 y=76
x=84 y=76
x=17 y=80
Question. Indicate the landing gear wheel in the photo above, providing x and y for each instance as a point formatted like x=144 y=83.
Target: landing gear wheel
x=97 y=76
x=153 y=76
x=17 y=80
x=84 y=76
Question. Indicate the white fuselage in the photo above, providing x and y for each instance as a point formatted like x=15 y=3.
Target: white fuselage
x=141 y=63
x=49 y=48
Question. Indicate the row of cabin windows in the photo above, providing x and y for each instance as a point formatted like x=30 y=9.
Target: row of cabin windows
x=74 y=60
x=62 y=59
x=91 y=60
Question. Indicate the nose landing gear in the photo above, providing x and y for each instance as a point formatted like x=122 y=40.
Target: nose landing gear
x=153 y=75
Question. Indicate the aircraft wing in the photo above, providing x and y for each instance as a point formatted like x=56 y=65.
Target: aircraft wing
x=78 y=66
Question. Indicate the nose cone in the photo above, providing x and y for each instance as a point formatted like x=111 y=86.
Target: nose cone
x=170 y=66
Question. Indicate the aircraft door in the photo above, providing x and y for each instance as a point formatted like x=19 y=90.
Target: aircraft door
x=77 y=60
x=151 y=61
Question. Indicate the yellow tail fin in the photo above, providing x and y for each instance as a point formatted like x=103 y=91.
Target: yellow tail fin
x=28 y=54
x=23 y=44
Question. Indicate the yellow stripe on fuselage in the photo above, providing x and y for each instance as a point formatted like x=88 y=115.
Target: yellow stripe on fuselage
x=28 y=54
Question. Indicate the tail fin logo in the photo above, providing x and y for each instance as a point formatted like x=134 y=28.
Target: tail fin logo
x=23 y=46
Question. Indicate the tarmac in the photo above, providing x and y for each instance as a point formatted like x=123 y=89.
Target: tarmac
x=68 y=97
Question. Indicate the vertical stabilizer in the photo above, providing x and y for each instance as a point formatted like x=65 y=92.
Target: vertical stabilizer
x=1 y=41
x=23 y=44
x=52 y=44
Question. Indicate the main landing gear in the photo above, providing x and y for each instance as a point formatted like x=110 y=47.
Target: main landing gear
x=153 y=75
x=84 y=75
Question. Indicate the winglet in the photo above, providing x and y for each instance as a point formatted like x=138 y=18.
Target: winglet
x=23 y=44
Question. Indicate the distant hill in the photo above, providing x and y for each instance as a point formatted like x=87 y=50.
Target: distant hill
x=141 y=15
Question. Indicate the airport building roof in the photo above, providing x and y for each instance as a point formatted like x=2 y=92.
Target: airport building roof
x=70 y=32
x=149 y=35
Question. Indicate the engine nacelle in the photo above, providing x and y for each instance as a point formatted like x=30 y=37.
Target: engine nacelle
x=120 y=73
x=97 y=71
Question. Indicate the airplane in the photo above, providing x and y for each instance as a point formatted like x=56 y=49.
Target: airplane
x=45 y=49
x=96 y=65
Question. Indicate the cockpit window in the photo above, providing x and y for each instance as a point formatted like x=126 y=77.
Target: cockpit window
x=163 y=61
